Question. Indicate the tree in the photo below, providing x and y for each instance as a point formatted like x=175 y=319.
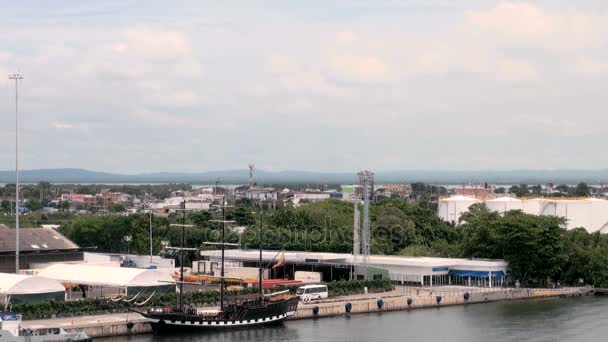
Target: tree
x=5 y=206
x=34 y=204
x=118 y=208
x=532 y=245
x=581 y=190
x=563 y=189
x=536 y=190
x=200 y=218
x=519 y=191
x=500 y=190
x=242 y=216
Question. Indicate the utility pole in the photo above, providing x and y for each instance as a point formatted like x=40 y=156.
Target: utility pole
x=16 y=77
x=150 y=210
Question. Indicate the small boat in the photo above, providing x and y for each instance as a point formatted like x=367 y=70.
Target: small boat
x=239 y=311
x=11 y=331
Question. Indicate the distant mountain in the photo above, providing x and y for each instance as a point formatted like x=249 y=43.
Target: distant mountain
x=283 y=177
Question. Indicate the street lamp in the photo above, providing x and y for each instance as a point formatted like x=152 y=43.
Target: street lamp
x=16 y=77
x=128 y=239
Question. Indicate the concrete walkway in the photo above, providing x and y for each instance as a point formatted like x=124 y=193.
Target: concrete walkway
x=83 y=321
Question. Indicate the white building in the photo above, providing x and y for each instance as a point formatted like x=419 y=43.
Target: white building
x=172 y=204
x=310 y=197
x=401 y=269
x=262 y=194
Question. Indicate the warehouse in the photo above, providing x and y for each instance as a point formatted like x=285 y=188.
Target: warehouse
x=400 y=269
x=36 y=246
x=18 y=288
x=108 y=281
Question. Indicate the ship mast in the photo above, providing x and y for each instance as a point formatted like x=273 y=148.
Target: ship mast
x=260 y=264
x=222 y=282
x=181 y=250
x=223 y=244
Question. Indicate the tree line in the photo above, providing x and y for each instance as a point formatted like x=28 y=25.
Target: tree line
x=539 y=250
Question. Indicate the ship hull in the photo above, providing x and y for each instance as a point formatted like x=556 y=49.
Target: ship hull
x=274 y=313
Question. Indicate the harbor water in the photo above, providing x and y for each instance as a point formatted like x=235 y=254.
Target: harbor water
x=554 y=319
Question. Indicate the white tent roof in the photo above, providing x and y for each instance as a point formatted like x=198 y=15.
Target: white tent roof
x=13 y=284
x=96 y=275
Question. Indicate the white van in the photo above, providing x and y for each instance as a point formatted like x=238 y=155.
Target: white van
x=312 y=292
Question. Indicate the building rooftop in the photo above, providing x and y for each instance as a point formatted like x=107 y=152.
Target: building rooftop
x=33 y=239
x=349 y=259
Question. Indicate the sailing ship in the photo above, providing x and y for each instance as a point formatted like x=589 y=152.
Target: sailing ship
x=240 y=311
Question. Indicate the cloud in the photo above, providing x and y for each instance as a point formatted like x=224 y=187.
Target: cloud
x=61 y=125
x=591 y=66
x=359 y=68
x=302 y=79
x=153 y=44
x=516 y=18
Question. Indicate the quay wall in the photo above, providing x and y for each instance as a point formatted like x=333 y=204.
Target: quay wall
x=428 y=300
x=108 y=329
x=131 y=324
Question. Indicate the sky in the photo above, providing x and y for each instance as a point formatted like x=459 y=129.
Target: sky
x=305 y=85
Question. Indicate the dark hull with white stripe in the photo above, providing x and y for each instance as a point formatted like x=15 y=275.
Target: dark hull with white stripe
x=234 y=316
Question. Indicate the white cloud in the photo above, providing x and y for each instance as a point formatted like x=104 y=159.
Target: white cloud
x=359 y=68
x=591 y=66
x=61 y=125
x=516 y=71
x=514 y=17
x=301 y=79
x=153 y=44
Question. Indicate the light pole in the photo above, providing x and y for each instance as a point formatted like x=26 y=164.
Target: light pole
x=150 y=210
x=128 y=239
x=16 y=77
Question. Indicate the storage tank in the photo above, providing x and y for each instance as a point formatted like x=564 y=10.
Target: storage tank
x=533 y=206
x=504 y=204
x=589 y=213
x=451 y=208
x=577 y=212
x=599 y=215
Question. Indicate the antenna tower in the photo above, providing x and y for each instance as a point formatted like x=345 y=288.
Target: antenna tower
x=251 y=167
x=366 y=181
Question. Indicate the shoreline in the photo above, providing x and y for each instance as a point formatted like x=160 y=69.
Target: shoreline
x=401 y=299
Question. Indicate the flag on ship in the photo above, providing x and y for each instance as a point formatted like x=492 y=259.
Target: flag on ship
x=281 y=260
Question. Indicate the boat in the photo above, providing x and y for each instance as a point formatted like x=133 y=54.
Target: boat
x=240 y=311
x=11 y=331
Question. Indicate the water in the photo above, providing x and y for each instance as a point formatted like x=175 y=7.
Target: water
x=567 y=319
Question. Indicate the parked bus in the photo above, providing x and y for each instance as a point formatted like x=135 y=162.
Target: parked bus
x=312 y=292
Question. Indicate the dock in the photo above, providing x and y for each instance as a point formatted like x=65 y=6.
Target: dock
x=402 y=298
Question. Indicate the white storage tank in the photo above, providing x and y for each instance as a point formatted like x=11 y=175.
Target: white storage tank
x=451 y=208
x=504 y=204
x=599 y=214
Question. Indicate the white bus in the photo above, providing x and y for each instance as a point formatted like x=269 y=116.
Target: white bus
x=312 y=292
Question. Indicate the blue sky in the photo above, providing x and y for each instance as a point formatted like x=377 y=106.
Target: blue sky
x=309 y=85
